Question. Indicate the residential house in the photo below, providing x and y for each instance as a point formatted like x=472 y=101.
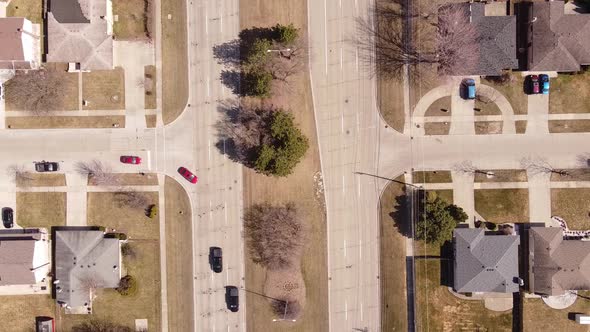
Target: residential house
x=24 y=257
x=485 y=262
x=84 y=260
x=496 y=40
x=553 y=40
x=20 y=43
x=80 y=32
x=557 y=265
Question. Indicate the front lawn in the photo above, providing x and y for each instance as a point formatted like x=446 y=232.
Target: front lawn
x=573 y=205
x=503 y=205
x=104 y=89
x=567 y=91
x=40 y=209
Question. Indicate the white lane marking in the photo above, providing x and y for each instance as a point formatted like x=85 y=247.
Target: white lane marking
x=149 y=158
x=344 y=248
x=341 y=58
x=227 y=276
x=355 y=6
x=211 y=276
x=210 y=211
x=358 y=188
x=208 y=87
x=358 y=123
x=206 y=21
x=326 y=35
x=345 y=310
x=361 y=311
x=209 y=149
x=340 y=4
x=221 y=20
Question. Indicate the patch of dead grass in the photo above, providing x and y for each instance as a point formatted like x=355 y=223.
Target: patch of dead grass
x=503 y=205
x=41 y=180
x=573 y=205
x=104 y=89
x=40 y=209
x=46 y=122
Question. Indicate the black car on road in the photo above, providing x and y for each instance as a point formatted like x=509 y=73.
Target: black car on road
x=216 y=259
x=46 y=166
x=232 y=298
x=7 y=217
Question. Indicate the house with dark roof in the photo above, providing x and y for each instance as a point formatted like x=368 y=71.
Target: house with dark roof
x=21 y=48
x=24 y=258
x=496 y=41
x=557 y=265
x=80 y=32
x=84 y=260
x=553 y=40
x=485 y=262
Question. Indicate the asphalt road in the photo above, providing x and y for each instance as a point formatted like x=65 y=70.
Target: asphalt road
x=348 y=130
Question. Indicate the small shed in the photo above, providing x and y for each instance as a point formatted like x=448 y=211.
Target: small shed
x=582 y=319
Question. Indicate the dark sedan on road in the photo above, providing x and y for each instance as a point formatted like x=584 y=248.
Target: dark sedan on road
x=7 y=217
x=232 y=298
x=216 y=259
x=46 y=166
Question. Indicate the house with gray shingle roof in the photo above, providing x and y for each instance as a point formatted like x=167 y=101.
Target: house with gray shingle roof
x=24 y=257
x=556 y=41
x=84 y=260
x=496 y=41
x=557 y=265
x=485 y=262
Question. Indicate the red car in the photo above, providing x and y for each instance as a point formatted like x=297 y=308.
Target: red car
x=130 y=160
x=188 y=175
x=534 y=84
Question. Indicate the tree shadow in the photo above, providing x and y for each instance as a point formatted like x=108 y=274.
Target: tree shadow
x=446 y=264
x=228 y=54
x=402 y=215
x=232 y=80
x=581 y=7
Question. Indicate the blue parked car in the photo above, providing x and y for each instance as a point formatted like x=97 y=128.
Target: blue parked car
x=468 y=88
x=544 y=79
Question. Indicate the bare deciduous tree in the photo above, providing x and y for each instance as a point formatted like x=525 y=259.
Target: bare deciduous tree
x=101 y=174
x=541 y=166
x=19 y=175
x=132 y=199
x=275 y=235
x=100 y=325
x=467 y=167
x=245 y=127
x=37 y=91
x=89 y=283
x=286 y=309
x=391 y=39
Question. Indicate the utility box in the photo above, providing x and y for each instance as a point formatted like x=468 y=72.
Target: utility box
x=582 y=319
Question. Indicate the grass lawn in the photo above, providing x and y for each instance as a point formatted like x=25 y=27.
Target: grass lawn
x=104 y=210
x=41 y=209
x=569 y=126
x=503 y=205
x=390 y=96
x=564 y=90
x=19 y=312
x=488 y=127
x=109 y=304
x=104 y=89
x=520 y=126
x=486 y=107
x=174 y=59
x=132 y=179
x=431 y=177
x=437 y=128
x=444 y=194
x=45 y=122
x=41 y=180
x=392 y=262
x=435 y=108
x=513 y=92
x=179 y=260
x=573 y=205
x=503 y=175
x=438 y=310
x=150 y=86
x=538 y=316
x=133 y=21
x=69 y=88
x=151 y=120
